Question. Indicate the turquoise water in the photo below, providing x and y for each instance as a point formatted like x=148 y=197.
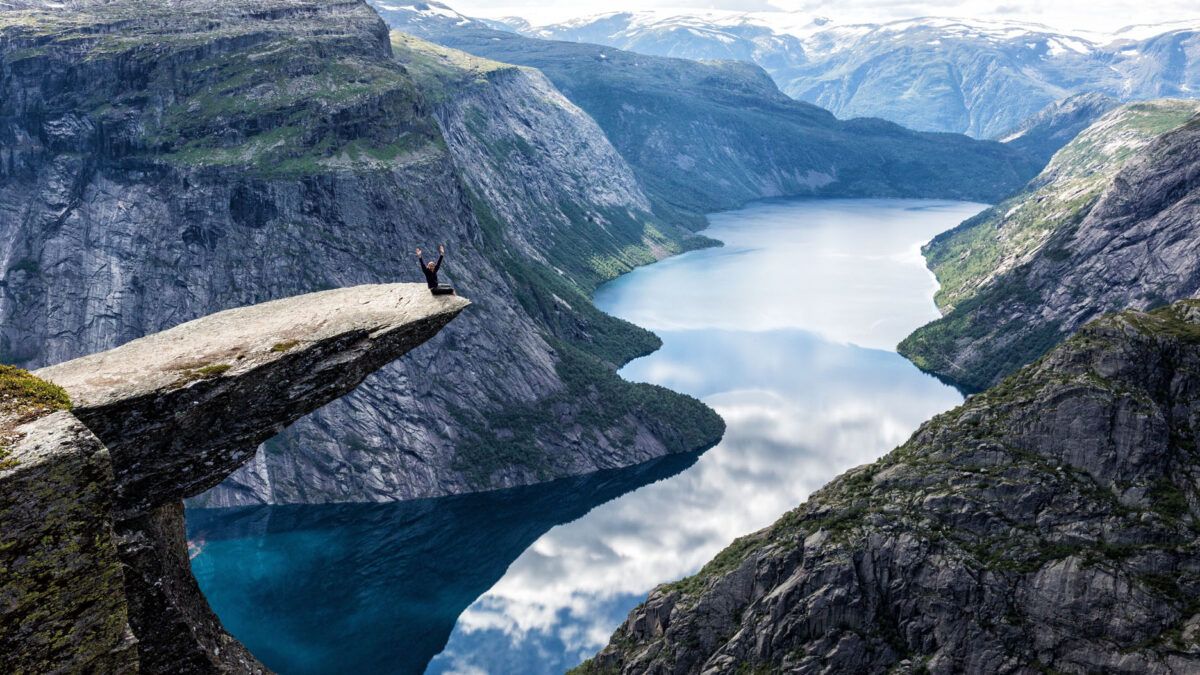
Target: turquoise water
x=787 y=331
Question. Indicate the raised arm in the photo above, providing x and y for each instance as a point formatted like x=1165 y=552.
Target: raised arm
x=441 y=254
x=420 y=260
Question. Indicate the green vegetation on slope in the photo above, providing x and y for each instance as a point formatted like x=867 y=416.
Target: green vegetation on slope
x=588 y=242
x=713 y=135
x=973 y=254
x=590 y=345
x=282 y=97
x=24 y=398
x=1000 y=272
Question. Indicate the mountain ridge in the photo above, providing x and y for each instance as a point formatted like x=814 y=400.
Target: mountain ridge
x=982 y=78
x=1106 y=226
x=1004 y=536
x=710 y=136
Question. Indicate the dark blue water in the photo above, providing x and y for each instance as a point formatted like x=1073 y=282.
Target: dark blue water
x=787 y=332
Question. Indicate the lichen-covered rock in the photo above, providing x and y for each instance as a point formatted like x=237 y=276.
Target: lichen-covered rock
x=1048 y=525
x=62 y=598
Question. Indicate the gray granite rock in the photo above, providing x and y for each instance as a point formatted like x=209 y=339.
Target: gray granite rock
x=181 y=409
x=160 y=162
x=1048 y=525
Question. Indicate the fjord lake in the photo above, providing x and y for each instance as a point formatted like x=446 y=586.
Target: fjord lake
x=788 y=331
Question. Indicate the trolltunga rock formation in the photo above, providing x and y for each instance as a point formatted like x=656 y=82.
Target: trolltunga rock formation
x=96 y=567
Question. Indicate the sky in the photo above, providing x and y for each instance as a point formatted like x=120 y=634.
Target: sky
x=1067 y=16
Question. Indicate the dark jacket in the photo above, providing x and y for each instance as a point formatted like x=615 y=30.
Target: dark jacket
x=431 y=276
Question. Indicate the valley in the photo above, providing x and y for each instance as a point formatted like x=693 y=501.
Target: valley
x=800 y=363
x=778 y=342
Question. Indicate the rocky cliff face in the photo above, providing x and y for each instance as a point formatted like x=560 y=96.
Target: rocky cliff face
x=714 y=135
x=160 y=163
x=1058 y=124
x=1049 y=524
x=1107 y=225
x=97 y=575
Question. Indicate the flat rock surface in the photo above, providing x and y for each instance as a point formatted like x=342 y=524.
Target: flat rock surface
x=182 y=409
x=243 y=339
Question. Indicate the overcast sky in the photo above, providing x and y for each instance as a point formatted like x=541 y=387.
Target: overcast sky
x=1066 y=15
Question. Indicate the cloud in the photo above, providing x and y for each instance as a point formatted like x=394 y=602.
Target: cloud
x=1068 y=16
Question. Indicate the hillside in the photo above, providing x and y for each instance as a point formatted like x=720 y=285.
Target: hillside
x=1106 y=226
x=1004 y=536
x=983 y=78
x=1058 y=124
x=164 y=162
x=714 y=135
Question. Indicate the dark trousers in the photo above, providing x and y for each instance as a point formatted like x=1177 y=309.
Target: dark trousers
x=442 y=289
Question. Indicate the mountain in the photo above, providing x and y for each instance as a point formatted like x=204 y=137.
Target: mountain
x=714 y=135
x=161 y=162
x=686 y=37
x=1058 y=124
x=1047 y=525
x=1109 y=224
x=981 y=78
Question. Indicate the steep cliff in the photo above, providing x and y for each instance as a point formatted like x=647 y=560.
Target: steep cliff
x=97 y=576
x=714 y=135
x=1049 y=524
x=1108 y=225
x=164 y=162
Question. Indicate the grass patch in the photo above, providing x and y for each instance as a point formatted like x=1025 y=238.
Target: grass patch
x=286 y=345
x=24 y=398
x=215 y=370
x=205 y=372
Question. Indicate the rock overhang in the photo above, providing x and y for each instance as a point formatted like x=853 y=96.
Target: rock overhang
x=181 y=409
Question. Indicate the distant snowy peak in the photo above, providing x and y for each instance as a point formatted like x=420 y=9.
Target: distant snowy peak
x=432 y=11
x=822 y=34
x=1140 y=32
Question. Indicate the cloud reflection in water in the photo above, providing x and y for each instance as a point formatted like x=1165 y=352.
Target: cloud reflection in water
x=764 y=330
x=535 y=579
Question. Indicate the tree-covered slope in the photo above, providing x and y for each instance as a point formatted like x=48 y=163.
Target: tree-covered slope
x=712 y=135
x=161 y=162
x=1047 y=525
x=1107 y=225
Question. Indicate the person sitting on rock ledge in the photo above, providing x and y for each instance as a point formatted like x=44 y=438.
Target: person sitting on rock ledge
x=431 y=270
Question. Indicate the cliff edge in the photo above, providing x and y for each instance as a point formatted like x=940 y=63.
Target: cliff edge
x=96 y=573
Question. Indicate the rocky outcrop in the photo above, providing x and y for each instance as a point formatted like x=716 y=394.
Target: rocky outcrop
x=62 y=600
x=163 y=162
x=97 y=570
x=1047 y=525
x=181 y=409
x=714 y=135
x=1058 y=124
x=1108 y=225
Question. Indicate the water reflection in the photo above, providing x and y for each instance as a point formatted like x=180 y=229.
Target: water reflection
x=377 y=588
x=787 y=332
x=764 y=330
